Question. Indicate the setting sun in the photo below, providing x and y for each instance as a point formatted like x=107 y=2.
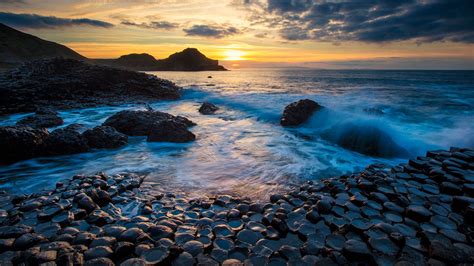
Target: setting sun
x=233 y=55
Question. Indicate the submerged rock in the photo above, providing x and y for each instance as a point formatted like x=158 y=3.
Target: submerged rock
x=42 y=119
x=141 y=122
x=105 y=137
x=298 y=112
x=208 y=108
x=365 y=139
x=20 y=143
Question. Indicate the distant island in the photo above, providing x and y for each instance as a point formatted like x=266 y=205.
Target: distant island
x=17 y=47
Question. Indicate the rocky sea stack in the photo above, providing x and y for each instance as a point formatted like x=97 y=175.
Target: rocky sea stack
x=67 y=83
x=419 y=213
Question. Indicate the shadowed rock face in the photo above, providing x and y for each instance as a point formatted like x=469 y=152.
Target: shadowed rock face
x=208 y=108
x=141 y=122
x=298 y=112
x=170 y=131
x=365 y=139
x=104 y=137
x=20 y=143
x=67 y=83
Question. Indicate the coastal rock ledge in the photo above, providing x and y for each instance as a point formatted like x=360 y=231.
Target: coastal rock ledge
x=418 y=213
x=68 y=83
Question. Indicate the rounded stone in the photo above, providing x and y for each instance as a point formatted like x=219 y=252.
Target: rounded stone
x=155 y=255
x=249 y=236
x=193 y=247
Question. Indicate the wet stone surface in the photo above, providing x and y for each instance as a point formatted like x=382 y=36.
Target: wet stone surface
x=420 y=213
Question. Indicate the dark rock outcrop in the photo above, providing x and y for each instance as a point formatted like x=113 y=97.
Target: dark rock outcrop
x=64 y=141
x=67 y=83
x=20 y=143
x=42 y=119
x=170 y=131
x=141 y=122
x=105 y=137
x=208 y=108
x=298 y=112
x=365 y=139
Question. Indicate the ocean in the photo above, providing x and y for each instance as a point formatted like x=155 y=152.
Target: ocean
x=242 y=149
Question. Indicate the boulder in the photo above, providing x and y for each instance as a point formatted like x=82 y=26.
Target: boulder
x=65 y=141
x=20 y=143
x=298 y=112
x=141 y=122
x=208 y=108
x=170 y=131
x=104 y=137
x=42 y=119
x=365 y=139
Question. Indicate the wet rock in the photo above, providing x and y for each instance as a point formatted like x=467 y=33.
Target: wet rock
x=70 y=258
x=365 y=139
x=42 y=119
x=418 y=213
x=184 y=259
x=193 y=247
x=131 y=235
x=104 y=137
x=64 y=218
x=98 y=252
x=140 y=123
x=232 y=262
x=155 y=255
x=99 y=261
x=134 y=262
x=289 y=252
x=170 y=131
x=298 y=112
x=323 y=206
x=21 y=143
x=14 y=231
x=208 y=108
x=336 y=242
x=384 y=245
x=443 y=222
x=249 y=236
x=64 y=141
x=27 y=240
x=355 y=250
x=85 y=202
x=444 y=250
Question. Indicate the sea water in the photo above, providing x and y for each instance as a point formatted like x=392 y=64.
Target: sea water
x=242 y=149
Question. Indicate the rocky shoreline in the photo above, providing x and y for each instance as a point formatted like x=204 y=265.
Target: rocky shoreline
x=419 y=213
x=67 y=83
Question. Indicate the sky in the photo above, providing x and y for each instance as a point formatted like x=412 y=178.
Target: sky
x=386 y=34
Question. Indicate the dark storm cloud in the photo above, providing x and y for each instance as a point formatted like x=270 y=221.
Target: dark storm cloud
x=39 y=22
x=161 y=25
x=211 y=31
x=369 y=20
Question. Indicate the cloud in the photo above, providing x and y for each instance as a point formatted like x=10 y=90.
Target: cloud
x=162 y=25
x=368 y=21
x=34 y=21
x=212 y=31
